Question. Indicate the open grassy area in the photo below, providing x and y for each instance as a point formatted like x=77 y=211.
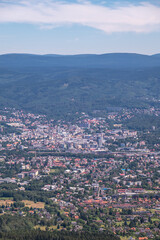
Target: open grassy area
x=54 y=228
x=6 y=202
x=140 y=209
x=124 y=238
x=42 y=228
x=155 y=219
x=6 y=198
x=119 y=224
x=153 y=211
x=32 y=204
x=54 y=171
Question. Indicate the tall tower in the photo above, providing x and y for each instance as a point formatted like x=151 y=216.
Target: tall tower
x=35 y=155
x=98 y=191
x=100 y=140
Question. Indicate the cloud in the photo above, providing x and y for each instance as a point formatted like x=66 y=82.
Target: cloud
x=144 y=17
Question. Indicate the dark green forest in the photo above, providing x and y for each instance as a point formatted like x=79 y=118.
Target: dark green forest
x=40 y=235
x=47 y=87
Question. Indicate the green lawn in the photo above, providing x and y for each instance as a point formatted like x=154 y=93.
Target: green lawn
x=6 y=198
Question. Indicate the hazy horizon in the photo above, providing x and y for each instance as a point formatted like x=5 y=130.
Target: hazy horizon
x=58 y=54
x=79 y=27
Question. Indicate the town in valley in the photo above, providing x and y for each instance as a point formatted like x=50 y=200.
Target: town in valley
x=93 y=174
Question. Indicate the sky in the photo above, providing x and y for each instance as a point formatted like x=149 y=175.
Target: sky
x=79 y=26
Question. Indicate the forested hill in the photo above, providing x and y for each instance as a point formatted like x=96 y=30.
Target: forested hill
x=61 y=235
x=113 y=60
x=62 y=85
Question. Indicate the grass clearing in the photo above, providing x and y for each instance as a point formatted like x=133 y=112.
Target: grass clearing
x=153 y=210
x=6 y=202
x=124 y=238
x=42 y=228
x=51 y=228
x=52 y=170
x=141 y=209
x=119 y=224
x=6 y=198
x=155 y=219
x=32 y=204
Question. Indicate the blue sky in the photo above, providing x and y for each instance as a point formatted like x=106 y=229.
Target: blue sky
x=75 y=27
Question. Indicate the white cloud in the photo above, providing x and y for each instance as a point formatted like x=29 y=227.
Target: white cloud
x=144 y=17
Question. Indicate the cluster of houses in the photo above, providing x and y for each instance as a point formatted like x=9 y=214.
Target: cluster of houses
x=87 y=135
x=122 y=178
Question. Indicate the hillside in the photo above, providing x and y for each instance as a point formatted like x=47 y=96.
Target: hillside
x=112 y=60
x=60 y=85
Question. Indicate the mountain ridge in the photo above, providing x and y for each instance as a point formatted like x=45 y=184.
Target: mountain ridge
x=106 y=60
x=58 y=86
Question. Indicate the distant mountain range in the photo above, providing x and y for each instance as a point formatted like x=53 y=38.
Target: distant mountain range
x=112 y=60
x=60 y=85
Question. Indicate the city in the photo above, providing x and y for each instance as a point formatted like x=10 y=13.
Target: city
x=94 y=174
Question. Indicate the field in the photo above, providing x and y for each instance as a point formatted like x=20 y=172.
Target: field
x=52 y=171
x=155 y=220
x=6 y=201
x=119 y=224
x=6 y=198
x=43 y=228
x=32 y=204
